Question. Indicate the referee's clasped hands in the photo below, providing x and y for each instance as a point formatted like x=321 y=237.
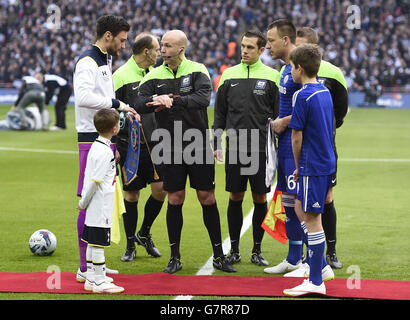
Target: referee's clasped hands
x=161 y=102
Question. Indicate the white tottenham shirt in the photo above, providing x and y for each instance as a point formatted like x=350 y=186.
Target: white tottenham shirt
x=93 y=88
x=99 y=185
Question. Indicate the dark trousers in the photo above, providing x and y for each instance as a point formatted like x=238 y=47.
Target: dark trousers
x=61 y=105
x=31 y=96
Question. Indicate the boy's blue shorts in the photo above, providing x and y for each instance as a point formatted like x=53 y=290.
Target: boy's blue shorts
x=312 y=192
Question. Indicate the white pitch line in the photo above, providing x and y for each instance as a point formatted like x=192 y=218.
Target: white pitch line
x=373 y=160
x=38 y=150
x=207 y=269
x=76 y=152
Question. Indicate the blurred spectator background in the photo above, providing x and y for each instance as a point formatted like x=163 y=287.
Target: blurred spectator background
x=374 y=57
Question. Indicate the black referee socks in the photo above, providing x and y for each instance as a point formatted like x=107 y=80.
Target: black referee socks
x=174 y=226
x=259 y=213
x=329 y=227
x=235 y=221
x=213 y=225
x=151 y=210
x=130 y=218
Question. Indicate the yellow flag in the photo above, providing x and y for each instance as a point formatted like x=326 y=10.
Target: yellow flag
x=274 y=222
x=118 y=210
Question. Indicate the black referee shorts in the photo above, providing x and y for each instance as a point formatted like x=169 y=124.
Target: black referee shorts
x=236 y=181
x=201 y=176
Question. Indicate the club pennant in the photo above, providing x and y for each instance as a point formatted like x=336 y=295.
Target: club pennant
x=133 y=154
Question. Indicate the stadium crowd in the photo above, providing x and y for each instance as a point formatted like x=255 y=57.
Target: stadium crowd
x=35 y=37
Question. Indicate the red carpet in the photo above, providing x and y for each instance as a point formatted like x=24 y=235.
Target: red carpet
x=166 y=284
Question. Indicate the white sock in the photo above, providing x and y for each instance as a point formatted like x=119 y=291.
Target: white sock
x=99 y=265
x=90 y=267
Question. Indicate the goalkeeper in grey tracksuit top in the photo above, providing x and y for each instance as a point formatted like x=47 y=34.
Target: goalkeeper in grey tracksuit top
x=31 y=91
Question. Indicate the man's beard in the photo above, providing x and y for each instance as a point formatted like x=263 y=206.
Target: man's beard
x=111 y=49
x=112 y=52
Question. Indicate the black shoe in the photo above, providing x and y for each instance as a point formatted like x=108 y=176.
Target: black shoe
x=233 y=257
x=222 y=263
x=257 y=259
x=333 y=261
x=129 y=255
x=173 y=266
x=148 y=244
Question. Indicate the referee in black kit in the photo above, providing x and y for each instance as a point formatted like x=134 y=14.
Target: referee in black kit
x=189 y=84
x=247 y=97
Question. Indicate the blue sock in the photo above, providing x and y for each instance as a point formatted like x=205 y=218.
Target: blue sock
x=316 y=252
x=295 y=252
x=305 y=241
x=294 y=231
x=324 y=263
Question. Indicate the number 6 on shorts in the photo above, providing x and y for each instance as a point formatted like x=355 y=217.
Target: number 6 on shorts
x=291 y=182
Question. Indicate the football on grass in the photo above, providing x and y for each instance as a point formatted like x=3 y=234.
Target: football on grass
x=43 y=243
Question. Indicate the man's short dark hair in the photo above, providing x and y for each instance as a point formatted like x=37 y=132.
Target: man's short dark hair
x=308 y=56
x=308 y=33
x=285 y=28
x=142 y=42
x=261 y=42
x=105 y=120
x=113 y=24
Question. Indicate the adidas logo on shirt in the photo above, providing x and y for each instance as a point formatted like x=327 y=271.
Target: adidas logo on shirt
x=316 y=205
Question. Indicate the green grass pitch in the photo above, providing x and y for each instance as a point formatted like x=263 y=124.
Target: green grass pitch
x=37 y=190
